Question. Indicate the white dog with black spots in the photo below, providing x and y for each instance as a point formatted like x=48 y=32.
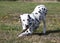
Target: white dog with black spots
x=30 y=22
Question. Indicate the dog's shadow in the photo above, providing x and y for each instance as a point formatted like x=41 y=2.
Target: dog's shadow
x=47 y=32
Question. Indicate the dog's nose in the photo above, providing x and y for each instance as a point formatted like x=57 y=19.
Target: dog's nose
x=27 y=26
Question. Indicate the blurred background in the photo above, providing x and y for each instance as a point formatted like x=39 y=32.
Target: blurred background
x=34 y=0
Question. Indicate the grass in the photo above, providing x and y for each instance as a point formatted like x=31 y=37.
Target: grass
x=10 y=27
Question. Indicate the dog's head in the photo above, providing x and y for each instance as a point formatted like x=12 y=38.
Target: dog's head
x=40 y=9
x=25 y=20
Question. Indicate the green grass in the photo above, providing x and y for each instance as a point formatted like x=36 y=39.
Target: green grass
x=10 y=27
x=20 y=7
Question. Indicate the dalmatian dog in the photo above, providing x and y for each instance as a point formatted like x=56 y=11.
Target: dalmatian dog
x=30 y=22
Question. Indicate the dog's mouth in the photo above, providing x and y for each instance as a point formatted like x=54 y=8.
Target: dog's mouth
x=27 y=26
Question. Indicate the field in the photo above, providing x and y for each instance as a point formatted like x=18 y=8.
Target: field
x=10 y=26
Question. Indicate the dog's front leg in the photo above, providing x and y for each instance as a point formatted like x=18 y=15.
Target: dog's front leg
x=44 y=23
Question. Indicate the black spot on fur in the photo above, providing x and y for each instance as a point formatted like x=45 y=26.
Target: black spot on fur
x=36 y=13
x=38 y=7
x=26 y=31
x=23 y=20
x=29 y=16
x=39 y=11
x=44 y=8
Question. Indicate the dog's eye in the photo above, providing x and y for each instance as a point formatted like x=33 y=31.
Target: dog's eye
x=23 y=20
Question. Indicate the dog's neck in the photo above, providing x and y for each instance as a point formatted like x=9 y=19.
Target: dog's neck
x=37 y=16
